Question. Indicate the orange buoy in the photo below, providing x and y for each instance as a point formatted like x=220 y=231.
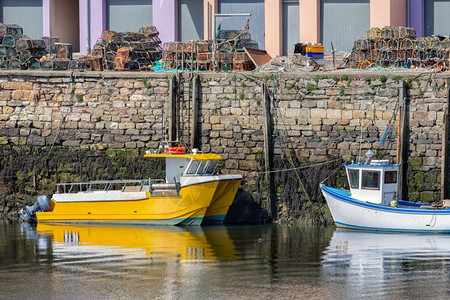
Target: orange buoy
x=175 y=150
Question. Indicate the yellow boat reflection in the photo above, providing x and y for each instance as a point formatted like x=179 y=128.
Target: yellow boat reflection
x=185 y=245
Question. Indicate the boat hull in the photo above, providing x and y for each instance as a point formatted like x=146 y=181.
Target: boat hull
x=188 y=208
x=222 y=200
x=351 y=213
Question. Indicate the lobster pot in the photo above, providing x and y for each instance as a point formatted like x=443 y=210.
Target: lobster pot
x=29 y=44
x=233 y=34
x=225 y=47
x=50 y=43
x=9 y=40
x=110 y=56
x=64 y=51
x=11 y=29
x=123 y=57
x=3 y=64
x=154 y=55
x=373 y=33
x=405 y=32
x=96 y=63
x=388 y=32
x=14 y=64
x=11 y=52
x=149 y=45
x=130 y=36
x=33 y=64
x=108 y=35
x=139 y=55
x=55 y=64
x=25 y=55
x=240 y=44
x=149 y=31
x=112 y=47
x=80 y=64
x=134 y=45
x=2 y=51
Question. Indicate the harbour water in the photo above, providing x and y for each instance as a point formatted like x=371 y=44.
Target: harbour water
x=218 y=262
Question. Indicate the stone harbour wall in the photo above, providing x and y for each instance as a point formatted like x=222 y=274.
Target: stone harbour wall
x=317 y=118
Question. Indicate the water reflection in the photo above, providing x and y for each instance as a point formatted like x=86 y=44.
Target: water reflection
x=238 y=262
x=241 y=262
x=155 y=244
x=392 y=265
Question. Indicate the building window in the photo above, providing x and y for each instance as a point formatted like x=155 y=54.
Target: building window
x=353 y=176
x=390 y=177
x=370 y=180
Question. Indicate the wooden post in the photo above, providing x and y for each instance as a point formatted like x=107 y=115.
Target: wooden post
x=172 y=111
x=194 y=122
x=402 y=142
x=268 y=153
x=444 y=164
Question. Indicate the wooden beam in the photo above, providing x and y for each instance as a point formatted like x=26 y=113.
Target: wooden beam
x=194 y=121
x=402 y=142
x=444 y=157
x=172 y=111
x=268 y=153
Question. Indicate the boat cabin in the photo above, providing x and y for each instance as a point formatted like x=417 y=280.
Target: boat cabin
x=188 y=165
x=376 y=182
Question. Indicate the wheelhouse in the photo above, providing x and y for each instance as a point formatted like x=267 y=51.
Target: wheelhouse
x=376 y=182
x=188 y=165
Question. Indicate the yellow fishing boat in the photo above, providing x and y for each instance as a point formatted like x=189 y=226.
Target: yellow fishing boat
x=190 y=193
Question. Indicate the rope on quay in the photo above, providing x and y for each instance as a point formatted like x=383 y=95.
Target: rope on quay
x=301 y=167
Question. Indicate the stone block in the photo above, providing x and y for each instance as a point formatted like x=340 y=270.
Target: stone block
x=318 y=113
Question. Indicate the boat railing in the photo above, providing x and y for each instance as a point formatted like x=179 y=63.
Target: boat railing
x=102 y=185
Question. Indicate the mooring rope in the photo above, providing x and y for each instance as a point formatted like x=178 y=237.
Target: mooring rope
x=301 y=167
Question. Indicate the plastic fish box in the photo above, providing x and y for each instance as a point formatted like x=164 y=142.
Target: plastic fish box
x=315 y=55
x=314 y=49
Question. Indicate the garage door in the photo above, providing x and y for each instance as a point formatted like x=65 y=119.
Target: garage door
x=437 y=19
x=342 y=22
x=291 y=26
x=190 y=20
x=128 y=15
x=257 y=24
x=26 y=13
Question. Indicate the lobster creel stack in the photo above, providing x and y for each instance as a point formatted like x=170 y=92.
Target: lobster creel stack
x=123 y=51
x=17 y=51
x=399 y=47
x=202 y=55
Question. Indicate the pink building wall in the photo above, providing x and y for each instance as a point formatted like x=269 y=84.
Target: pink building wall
x=165 y=17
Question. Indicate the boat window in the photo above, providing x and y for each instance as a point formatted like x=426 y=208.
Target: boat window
x=193 y=167
x=353 y=176
x=202 y=167
x=211 y=167
x=390 y=177
x=370 y=180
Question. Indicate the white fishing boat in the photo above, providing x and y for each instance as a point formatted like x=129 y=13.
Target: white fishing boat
x=372 y=204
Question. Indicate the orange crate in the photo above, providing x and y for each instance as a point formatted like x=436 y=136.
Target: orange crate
x=314 y=49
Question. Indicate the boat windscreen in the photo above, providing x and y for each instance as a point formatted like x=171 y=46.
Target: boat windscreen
x=193 y=167
x=211 y=167
x=370 y=180
x=202 y=167
x=353 y=176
